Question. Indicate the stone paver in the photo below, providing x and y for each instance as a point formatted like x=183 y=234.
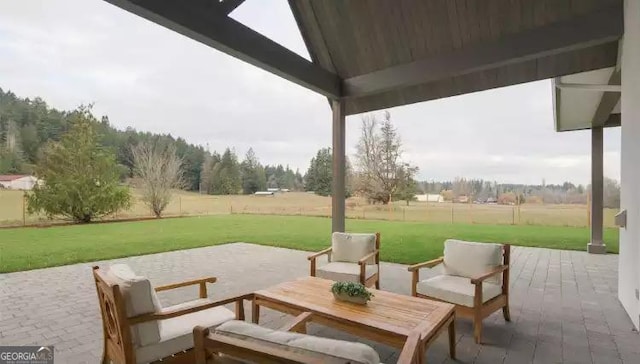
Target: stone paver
x=563 y=304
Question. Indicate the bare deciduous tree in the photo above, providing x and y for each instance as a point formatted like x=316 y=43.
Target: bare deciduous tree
x=381 y=169
x=160 y=170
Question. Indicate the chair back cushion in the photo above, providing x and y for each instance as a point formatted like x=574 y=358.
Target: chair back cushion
x=326 y=350
x=468 y=259
x=140 y=298
x=352 y=247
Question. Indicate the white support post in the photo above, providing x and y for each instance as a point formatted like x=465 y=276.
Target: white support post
x=339 y=167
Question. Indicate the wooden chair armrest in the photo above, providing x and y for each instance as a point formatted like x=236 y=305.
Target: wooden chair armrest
x=497 y=270
x=428 y=264
x=201 y=281
x=186 y=283
x=298 y=324
x=320 y=253
x=368 y=257
x=167 y=314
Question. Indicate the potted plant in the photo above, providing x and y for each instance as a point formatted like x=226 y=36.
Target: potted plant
x=351 y=292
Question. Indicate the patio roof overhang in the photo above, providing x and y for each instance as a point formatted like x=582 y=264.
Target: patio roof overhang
x=386 y=53
x=587 y=100
x=369 y=55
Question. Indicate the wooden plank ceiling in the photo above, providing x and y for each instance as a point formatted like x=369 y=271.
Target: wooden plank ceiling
x=377 y=54
x=360 y=37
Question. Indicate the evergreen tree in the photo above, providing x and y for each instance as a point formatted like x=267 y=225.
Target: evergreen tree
x=253 y=176
x=81 y=180
x=226 y=175
x=319 y=176
x=407 y=186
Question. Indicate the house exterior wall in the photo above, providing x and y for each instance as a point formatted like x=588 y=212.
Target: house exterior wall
x=23 y=183
x=629 y=260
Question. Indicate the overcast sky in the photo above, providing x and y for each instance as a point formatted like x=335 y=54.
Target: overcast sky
x=71 y=52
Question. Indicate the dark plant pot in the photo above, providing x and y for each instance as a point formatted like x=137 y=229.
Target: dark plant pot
x=353 y=299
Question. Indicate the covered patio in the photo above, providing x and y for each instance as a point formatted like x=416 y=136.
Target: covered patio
x=563 y=305
x=370 y=55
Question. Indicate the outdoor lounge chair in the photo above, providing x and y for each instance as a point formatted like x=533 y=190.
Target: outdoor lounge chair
x=475 y=278
x=137 y=329
x=243 y=342
x=352 y=258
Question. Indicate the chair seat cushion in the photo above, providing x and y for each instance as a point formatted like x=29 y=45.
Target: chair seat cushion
x=345 y=272
x=176 y=334
x=458 y=290
x=326 y=350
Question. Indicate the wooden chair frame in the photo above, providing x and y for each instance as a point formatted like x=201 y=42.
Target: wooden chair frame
x=373 y=280
x=116 y=326
x=480 y=310
x=208 y=346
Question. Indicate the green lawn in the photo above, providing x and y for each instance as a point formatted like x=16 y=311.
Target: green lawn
x=402 y=242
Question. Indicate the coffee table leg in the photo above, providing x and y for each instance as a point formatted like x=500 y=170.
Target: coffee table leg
x=255 y=312
x=452 y=338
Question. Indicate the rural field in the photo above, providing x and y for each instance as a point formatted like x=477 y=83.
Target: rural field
x=12 y=211
x=402 y=242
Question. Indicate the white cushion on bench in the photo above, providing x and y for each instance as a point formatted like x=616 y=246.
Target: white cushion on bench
x=176 y=334
x=352 y=352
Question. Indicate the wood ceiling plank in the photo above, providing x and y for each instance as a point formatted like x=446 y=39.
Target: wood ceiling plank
x=583 y=32
x=582 y=60
x=473 y=21
x=526 y=14
x=331 y=19
x=465 y=31
x=437 y=21
x=454 y=25
x=311 y=33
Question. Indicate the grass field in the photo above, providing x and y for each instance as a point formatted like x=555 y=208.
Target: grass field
x=402 y=242
x=308 y=204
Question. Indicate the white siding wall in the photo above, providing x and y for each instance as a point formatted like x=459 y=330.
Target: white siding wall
x=24 y=183
x=629 y=272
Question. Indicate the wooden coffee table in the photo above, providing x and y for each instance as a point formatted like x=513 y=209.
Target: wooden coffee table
x=388 y=318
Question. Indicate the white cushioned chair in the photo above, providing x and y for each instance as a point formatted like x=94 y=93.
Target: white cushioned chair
x=137 y=329
x=475 y=277
x=351 y=258
x=243 y=342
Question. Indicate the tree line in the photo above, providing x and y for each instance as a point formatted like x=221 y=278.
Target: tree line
x=480 y=190
x=27 y=125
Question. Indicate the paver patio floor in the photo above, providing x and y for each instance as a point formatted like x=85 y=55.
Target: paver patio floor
x=563 y=304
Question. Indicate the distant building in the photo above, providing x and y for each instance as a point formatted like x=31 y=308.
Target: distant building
x=430 y=197
x=277 y=189
x=18 y=181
